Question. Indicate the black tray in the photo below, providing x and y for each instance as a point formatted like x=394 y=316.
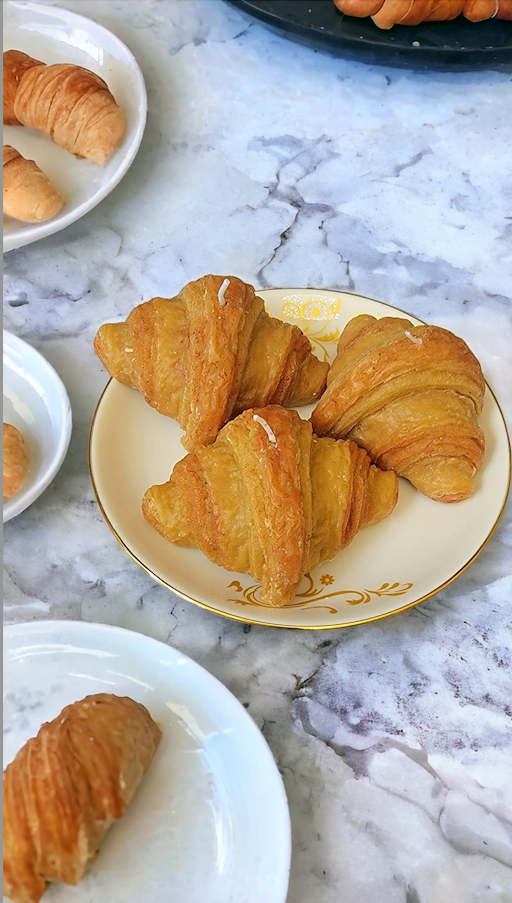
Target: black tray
x=457 y=46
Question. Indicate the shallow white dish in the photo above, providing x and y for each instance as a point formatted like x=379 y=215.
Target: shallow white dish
x=56 y=35
x=210 y=821
x=36 y=403
x=409 y=556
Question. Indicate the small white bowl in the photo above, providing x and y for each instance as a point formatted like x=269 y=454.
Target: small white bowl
x=37 y=404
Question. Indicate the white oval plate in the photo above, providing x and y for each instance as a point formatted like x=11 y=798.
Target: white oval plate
x=36 y=403
x=210 y=821
x=420 y=548
x=56 y=35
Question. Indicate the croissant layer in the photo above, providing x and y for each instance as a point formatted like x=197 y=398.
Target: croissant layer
x=28 y=194
x=410 y=395
x=70 y=104
x=16 y=461
x=386 y=13
x=209 y=353
x=270 y=499
x=67 y=785
x=15 y=64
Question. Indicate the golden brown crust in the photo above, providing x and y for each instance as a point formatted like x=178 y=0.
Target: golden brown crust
x=359 y=8
x=386 y=13
x=16 y=63
x=504 y=9
x=67 y=785
x=270 y=499
x=411 y=396
x=479 y=10
x=28 y=194
x=209 y=353
x=70 y=104
x=16 y=461
x=74 y=107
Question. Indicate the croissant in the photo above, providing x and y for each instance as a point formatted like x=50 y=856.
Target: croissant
x=210 y=353
x=410 y=395
x=16 y=461
x=28 y=194
x=70 y=104
x=270 y=499
x=386 y=13
x=67 y=785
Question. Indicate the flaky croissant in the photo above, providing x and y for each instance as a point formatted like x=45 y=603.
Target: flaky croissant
x=67 y=785
x=70 y=104
x=28 y=194
x=210 y=353
x=16 y=461
x=411 y=396
x=386 y=13
x=270 y=499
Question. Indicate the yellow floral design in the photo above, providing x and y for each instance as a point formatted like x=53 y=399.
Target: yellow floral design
x=250 y=595
x=314 y=312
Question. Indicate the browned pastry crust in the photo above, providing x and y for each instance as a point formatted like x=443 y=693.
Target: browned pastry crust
x=411 y=396
x=210 y=353
x=16 y=461
x=270 y=499
x=28 y=194
x=70 y=104
x=386 y=13
x=67 y=785
x=16 y=63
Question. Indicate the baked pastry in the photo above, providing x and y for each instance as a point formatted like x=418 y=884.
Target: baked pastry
x=210 y=353
x=28 y=194
x=67 y=785
x=70 y=104
x=270 y=499
x=386 y=13
x=16 y=63
x=410 y=395
x=16 y=461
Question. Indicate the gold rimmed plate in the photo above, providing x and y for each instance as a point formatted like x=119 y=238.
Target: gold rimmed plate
x=400 y=562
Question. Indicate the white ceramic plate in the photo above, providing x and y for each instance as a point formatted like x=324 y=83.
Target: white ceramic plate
x=420 y=548
x=36 y=403
x=209 y=822
x=56 y=35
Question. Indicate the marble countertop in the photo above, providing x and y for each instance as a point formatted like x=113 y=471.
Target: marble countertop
x=288 y=167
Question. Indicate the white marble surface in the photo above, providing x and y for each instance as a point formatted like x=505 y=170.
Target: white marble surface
x=287 y=167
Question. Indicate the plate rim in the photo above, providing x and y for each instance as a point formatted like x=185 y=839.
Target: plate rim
x=51 y=227
x=22 y=500
x=39 y=627
x=248 y=620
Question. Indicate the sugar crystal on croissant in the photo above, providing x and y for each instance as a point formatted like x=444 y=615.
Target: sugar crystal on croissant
x=410 y=395
x=270 y=499
x=209 y=353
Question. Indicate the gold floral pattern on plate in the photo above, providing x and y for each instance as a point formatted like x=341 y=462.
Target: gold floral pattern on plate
x=315 y=317
x=316 y=594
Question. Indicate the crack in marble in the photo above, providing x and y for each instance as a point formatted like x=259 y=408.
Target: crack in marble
x=412 y=162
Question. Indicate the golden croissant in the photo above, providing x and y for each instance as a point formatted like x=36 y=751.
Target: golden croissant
x=70 y=104
x=16 y=461
x=28 y=194
x=410 y=395
x=67 y=785
x=210 y=353
x=386 y=13
x=270 y=499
